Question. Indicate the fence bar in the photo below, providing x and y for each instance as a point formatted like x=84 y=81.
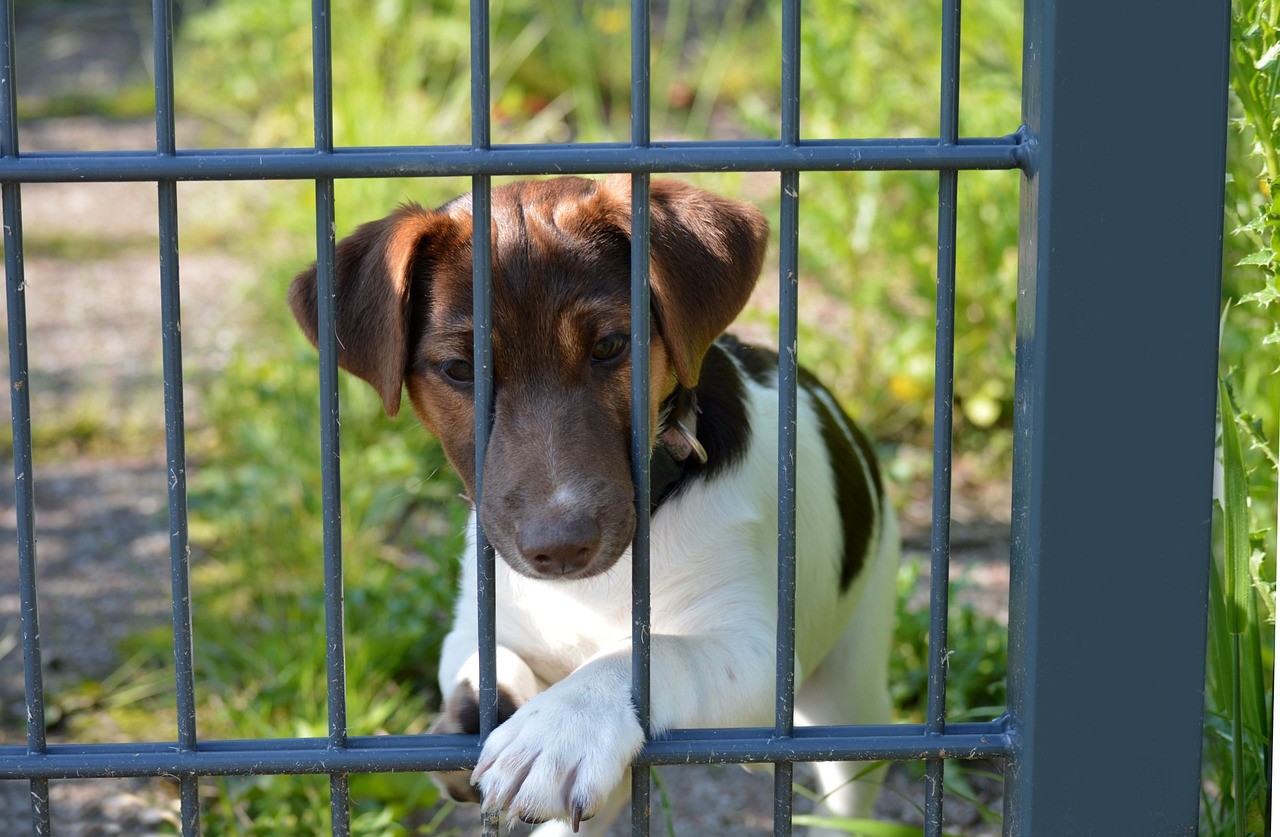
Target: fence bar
x=788 y=370
x=943 y=401
x=641 y=432
x=330 y=448
x=578 y=158
x=482 y=351
x=174 y=422
x=405 y=753
x=20 y=401
x=1107 y=331
x=482 y=268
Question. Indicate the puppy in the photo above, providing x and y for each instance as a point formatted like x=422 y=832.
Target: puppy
x=558 y=503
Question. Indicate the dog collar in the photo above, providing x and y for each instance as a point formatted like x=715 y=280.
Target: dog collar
x=678 y=447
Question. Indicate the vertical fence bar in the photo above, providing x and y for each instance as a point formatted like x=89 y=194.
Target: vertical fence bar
x=174 y=422
x=20 y=400
x=482 y=351
x=330 y=448
x=1108 y=330
x=943 y=389
x=641 y=432
x=788 y=369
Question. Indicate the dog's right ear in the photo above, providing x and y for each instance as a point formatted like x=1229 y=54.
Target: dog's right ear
x=377 y=267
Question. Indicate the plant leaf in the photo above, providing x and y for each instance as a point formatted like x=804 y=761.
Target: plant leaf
x=1266 y=589
x=1262 y=258
x=1268 y=57
x=1235 y=499
x=1267 y=295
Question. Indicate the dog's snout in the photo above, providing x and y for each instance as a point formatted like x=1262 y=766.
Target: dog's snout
x=559 y=544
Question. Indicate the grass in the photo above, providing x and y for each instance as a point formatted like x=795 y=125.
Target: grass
x=870 y=68
x=1241 y=658
x=1238 y=716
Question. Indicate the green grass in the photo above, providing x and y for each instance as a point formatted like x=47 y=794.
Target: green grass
x=1242 y=599
x=1238 y=711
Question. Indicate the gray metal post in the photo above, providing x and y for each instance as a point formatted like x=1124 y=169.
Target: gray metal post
x=1117 y=330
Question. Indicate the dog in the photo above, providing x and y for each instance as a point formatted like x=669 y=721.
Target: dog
x=558 y=500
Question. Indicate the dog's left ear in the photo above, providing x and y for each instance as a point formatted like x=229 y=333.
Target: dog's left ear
x=378 y=269
x=706 y=255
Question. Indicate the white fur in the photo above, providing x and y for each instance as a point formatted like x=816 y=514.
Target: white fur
x=565 y=647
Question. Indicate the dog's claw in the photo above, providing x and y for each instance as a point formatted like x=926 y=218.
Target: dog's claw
x=577 y=816
x=480 y=770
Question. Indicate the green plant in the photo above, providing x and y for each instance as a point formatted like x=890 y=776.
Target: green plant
x=976 y=654
x=1241 y=657
x=868 y=255
x=1238 y=712
x=1251 y=332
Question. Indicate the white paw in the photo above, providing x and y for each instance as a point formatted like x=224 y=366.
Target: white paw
x=559 y=756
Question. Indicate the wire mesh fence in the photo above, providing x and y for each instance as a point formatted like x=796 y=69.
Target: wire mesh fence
x=1025 y=149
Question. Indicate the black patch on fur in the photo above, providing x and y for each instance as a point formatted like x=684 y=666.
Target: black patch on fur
x=469 y=710
x=853 y=495
x=761 y=364
x=723 y=428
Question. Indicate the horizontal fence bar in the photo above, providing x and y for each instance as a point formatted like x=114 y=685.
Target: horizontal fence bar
x=403 y=753
x=985 y=153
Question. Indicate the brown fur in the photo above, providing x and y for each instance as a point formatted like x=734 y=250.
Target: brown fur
x=560 y=285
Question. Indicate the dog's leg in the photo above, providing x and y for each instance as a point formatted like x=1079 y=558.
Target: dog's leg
x=851 y=687
x=565 y=751
x=459 y=677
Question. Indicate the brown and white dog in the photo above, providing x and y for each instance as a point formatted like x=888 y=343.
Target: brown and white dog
x=558 y=498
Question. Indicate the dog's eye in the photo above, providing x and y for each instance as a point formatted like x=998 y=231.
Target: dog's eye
x=610 y=348
x=458 y=371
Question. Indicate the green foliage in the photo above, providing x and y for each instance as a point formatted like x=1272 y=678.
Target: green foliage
x=976 y=654
x=1238 y=710
x=867 y=243
x=1252 y=333
x=257 y=583
x=1242 y=599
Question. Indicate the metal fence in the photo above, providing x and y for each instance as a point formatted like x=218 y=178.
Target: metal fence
x=1121 y=160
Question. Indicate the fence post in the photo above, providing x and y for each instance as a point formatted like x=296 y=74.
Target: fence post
x=1117 y=326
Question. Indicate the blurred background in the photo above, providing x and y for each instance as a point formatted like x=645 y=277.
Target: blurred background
x=870 y=68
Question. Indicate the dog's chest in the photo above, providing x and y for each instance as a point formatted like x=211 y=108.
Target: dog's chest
x=555 y=628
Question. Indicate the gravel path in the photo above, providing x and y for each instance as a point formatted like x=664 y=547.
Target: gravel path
x=93 y=307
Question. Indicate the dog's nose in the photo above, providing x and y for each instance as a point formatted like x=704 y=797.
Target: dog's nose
x=559 y=544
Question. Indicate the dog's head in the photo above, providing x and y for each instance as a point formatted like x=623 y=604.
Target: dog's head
x=557 y=499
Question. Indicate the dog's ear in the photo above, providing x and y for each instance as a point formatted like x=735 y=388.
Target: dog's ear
x=706 y=253
x=377 y=269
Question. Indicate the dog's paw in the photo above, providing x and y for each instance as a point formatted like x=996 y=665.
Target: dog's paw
x=559 y=756
x=461 y=715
